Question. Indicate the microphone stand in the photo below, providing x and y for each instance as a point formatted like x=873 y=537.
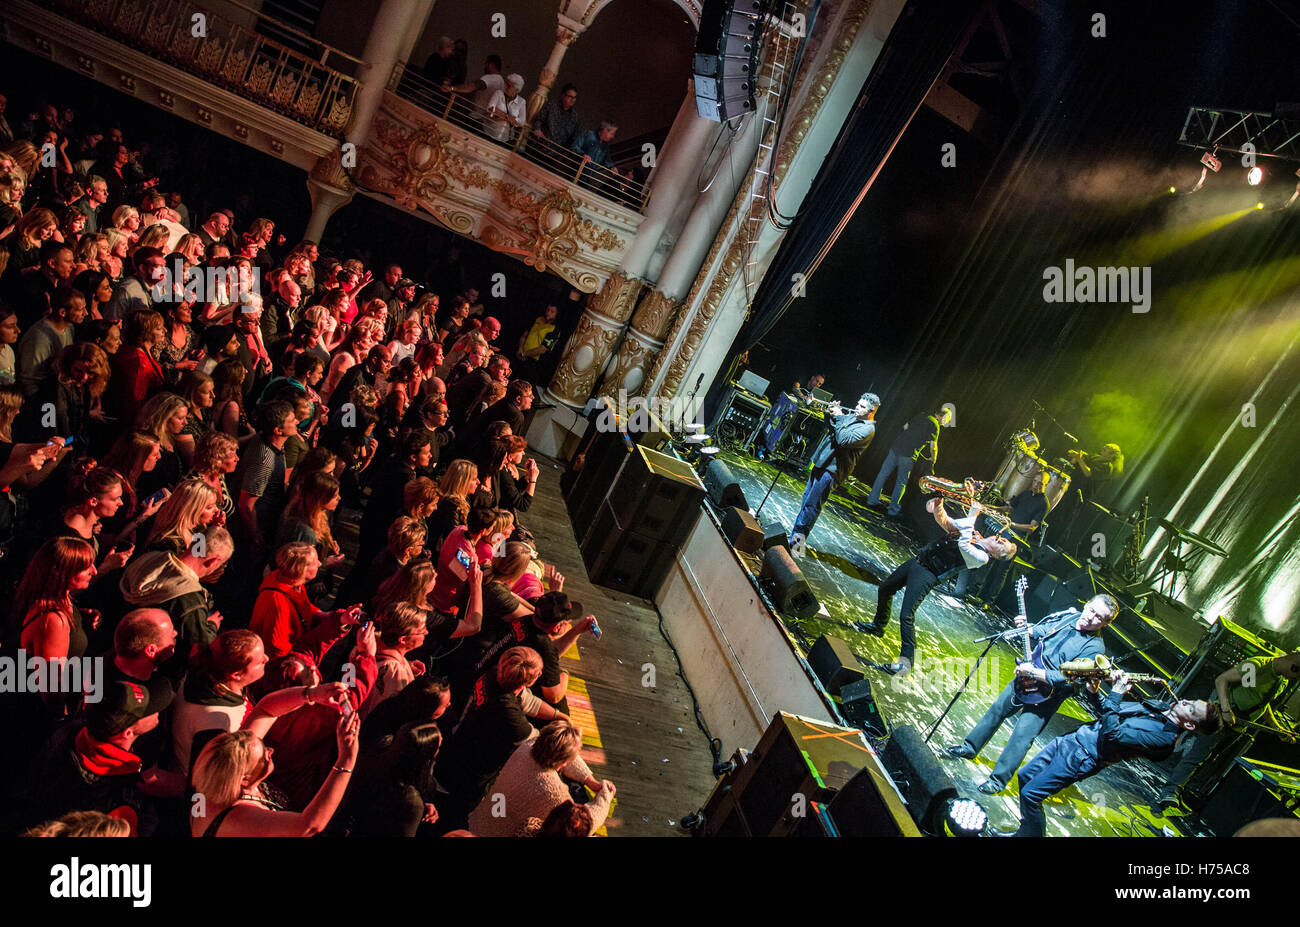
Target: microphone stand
x=992 y=639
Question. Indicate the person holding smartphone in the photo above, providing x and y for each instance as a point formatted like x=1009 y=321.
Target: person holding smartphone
x=459 y=576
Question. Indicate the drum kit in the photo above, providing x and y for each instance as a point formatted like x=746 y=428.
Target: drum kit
x=1024 y=468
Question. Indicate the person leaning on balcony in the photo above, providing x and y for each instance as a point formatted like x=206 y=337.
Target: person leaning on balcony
x=490 y=83
x=506 y=109
x=594 y=146
x=557 y=121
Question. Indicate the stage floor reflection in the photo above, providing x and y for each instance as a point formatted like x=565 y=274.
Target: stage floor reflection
x=849 y=551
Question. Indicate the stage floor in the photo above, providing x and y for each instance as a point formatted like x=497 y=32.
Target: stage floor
x=849 y=551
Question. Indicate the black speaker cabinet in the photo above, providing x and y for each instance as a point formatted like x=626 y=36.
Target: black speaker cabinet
x=834 y=663
x=742 y=530
x=620 y=558
x=799 y=762
x=790 y=591
x=774 y=535
x=723 y=487
x=1241 y=798
x=602 y=456
x=726 y=57
x=657 y=495
x=858 y=705
x=925 y=784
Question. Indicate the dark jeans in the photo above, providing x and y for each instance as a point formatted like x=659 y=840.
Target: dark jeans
x=1063 y=762
x=916 y=581
x=900 y=465
x=815 y=495
x=1032 y=720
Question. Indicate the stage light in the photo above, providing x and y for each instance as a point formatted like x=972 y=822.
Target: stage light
x=1254 y=176
x=1259 y=205
x=1173 y=189
x=964 y=818
x=1211 y=162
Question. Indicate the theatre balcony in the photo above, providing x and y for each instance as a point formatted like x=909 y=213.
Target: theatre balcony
x=228 y=68
x=436 y=153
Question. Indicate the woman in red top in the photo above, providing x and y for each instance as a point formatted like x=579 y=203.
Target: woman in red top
x=136 y=372
x=282 y=612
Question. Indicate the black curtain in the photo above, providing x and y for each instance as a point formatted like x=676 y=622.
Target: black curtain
x=923 y=39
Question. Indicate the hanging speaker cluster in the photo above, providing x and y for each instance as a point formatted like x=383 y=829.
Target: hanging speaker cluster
x=726 y=57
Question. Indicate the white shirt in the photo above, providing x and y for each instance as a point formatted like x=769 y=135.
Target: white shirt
x=500 y=129
x=975 y=557
x=495 y=83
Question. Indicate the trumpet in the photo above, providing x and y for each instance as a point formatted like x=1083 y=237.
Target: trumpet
x=1102 y=668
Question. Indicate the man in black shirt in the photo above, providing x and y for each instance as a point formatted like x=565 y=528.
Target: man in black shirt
x=517 y=400
x=834 y=460
x=938 y=559
x=495 y=722
x=1066 y=636
x=919 y=436
x=1141 y=729
x=387 y=489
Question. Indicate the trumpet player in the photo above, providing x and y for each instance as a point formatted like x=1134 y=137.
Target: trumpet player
x=1149 y=730
x=834 y=459
x=961 y=546
x=1068 y=635
x=918 y=439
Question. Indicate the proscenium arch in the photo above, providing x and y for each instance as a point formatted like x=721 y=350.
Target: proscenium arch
x=584 y=11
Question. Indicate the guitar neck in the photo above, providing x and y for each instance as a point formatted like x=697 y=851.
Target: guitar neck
x=1020 y=603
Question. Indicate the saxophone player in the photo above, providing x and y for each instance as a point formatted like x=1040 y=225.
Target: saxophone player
x=1068 y=635
x=961 y=546
x=1146 y=729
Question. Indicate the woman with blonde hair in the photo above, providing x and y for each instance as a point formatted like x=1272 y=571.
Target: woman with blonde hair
x=411 y=584
x=114 y=256
x=457 y=485
x=216 y=456
x=193 y=505
x=126 y=219
x=164 y=416
x=82 y=824
x=35 y=228
x=533 y=787
x=199 y=393
x=86 y=255
x=364 y=335
x=231 y=771
x=155 y=236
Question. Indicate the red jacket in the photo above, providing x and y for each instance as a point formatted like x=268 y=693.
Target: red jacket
x=136 y=377
x=280 y=615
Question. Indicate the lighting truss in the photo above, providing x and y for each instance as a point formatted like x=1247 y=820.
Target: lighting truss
x=1232 y=129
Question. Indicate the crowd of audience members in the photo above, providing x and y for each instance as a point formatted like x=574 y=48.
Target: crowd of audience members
x=196 y=420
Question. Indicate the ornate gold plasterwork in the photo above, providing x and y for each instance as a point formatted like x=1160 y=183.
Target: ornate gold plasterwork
x=655 y=314
x=422 y=163
x=719 y=281
x=553 y=228
x=629 y=367
x=617 y=297
x=593 y=341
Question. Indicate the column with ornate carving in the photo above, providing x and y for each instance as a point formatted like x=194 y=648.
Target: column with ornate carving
x=837 y=62
x=329 y=188
x=593 y=341
x=643 y=342
x=565 y=34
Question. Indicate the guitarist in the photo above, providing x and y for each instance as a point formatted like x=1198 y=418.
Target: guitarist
x=1072 y=634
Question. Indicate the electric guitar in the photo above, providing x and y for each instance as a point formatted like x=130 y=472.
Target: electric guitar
x=1030 y=691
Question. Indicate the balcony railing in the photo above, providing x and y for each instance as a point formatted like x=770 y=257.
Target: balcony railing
x=459 y=110
x=229 y=55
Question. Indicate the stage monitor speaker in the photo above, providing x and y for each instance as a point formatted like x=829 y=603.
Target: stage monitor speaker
x=1057 y=593
x=722 y=486
x=1241 y=799
x=774 y=535
x=790 y=591
x=924 y=783
x=620 y=558
x=797 y=762
x=742 y=530
x=858 y=705
x=726 y=57
x=657 y=495
x=834 y=663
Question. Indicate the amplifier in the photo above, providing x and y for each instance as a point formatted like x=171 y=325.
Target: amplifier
x=739 y=418
x=1225 y=644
